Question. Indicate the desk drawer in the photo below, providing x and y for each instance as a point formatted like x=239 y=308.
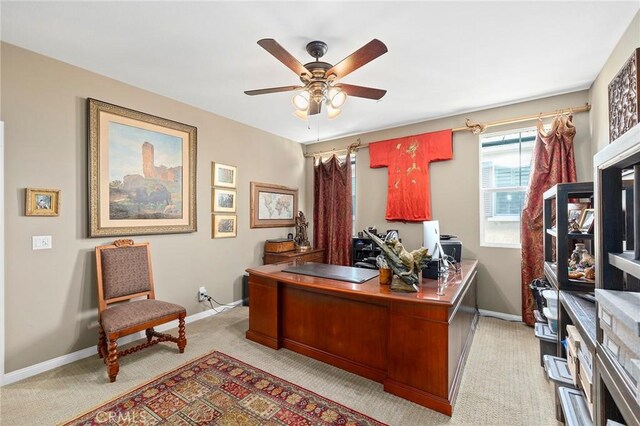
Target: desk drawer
x=311 y=257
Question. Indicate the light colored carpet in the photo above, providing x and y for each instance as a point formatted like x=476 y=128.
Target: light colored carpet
x=503 y=383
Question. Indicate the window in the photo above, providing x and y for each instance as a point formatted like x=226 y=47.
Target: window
x=504 y=176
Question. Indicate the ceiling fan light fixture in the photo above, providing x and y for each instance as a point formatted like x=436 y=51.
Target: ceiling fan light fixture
x=336 y=97
x=301 y=101
x=302 y=115
x=332 y=112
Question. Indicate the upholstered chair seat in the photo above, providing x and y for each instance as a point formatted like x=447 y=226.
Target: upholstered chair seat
x=127 y=302
x=131 y=314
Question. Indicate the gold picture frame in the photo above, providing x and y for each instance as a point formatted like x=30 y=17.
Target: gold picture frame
x=223 y=200
x=273 y=206
x=42 y=202
x=223 y=175
x=223 y=225
x=129 y=194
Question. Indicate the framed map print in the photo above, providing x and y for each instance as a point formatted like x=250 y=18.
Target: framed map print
x=273 y=206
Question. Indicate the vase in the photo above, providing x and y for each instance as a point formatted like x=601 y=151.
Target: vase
x=577 y=253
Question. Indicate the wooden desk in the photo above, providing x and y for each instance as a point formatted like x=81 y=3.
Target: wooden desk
x=416 y=344
x=314 y=255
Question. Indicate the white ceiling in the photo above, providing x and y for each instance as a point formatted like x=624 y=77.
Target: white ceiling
x=444 y=57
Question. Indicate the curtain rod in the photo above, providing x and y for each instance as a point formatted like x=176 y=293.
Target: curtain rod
x=475 y=128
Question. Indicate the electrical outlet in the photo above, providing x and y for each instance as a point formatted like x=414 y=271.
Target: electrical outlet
x=202 y=294
x=41 y=242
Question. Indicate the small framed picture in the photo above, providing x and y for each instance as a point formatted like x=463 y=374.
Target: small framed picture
x=575 y=215
x=587 y=220
x=223 y=226
x=42 y=202
x=223 y=200
x=224 y=175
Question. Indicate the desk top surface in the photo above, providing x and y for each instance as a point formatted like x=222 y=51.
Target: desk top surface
x=455 y=284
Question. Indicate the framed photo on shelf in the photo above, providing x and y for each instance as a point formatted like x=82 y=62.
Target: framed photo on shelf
x=142 y=173
x=586 y=221
x=224 y=200
x=574 y=215
x=223 y=226
x=42 y=202
x=224 y=175
x=273 y=206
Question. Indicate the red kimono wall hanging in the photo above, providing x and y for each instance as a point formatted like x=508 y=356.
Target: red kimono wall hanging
x=407 y=159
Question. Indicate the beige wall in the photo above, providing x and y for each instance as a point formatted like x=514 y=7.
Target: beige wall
x=599 y=92
x=455 y=191
x=51 y=301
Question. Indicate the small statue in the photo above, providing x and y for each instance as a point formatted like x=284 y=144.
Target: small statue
x=301 y=239
x=574 y=226
x=404 y=264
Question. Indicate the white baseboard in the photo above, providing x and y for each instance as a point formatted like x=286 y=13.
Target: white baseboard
x=41 y=367
x=500 y=315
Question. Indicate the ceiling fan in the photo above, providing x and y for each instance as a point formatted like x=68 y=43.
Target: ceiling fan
x=320 y=79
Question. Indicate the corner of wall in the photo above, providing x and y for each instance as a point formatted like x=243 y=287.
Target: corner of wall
x=2 y=310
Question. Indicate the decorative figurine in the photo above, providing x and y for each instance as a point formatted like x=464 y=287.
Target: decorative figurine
x=301 y=239
x=574 y=226
x=404 y=264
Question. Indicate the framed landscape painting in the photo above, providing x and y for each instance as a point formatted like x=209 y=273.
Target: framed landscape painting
x=273 y=205
x=142 y=171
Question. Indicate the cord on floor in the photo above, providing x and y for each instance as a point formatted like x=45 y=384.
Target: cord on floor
x=209 y=299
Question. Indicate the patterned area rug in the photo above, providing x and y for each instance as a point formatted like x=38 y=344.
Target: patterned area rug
x=219 y=389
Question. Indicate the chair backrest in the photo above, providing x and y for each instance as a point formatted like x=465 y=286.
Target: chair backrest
x=124 y=272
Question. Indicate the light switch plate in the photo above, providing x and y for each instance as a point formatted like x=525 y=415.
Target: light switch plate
x=41 y=242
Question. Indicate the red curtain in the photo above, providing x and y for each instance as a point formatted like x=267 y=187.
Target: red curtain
x=552 y=162
x=332 y=217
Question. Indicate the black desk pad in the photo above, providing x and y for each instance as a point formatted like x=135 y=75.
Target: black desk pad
x=334 y=272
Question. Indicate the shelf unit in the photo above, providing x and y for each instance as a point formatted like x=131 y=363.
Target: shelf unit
x=573 y=308
x=556 y=199
x=363 y=248
x=617 y=266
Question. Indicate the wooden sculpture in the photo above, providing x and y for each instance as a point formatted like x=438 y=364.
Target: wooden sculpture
x=404 y=264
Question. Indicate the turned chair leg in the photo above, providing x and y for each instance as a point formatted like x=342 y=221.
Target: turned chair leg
x=149 y=332
x=102 y=341
x=182 y=339
x=112 y=360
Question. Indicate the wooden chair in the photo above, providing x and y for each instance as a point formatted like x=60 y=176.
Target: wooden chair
x=124 y=273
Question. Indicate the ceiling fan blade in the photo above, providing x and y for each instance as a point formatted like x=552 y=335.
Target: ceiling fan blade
x=273 y=47
x=362 y=92
x=314 y=107
x=272 y=90
x=360 y=57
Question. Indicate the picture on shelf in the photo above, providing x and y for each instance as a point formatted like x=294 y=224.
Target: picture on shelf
x=586 y=221
x=574 y=215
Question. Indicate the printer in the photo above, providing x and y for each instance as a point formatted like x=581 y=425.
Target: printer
x=452 y=247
